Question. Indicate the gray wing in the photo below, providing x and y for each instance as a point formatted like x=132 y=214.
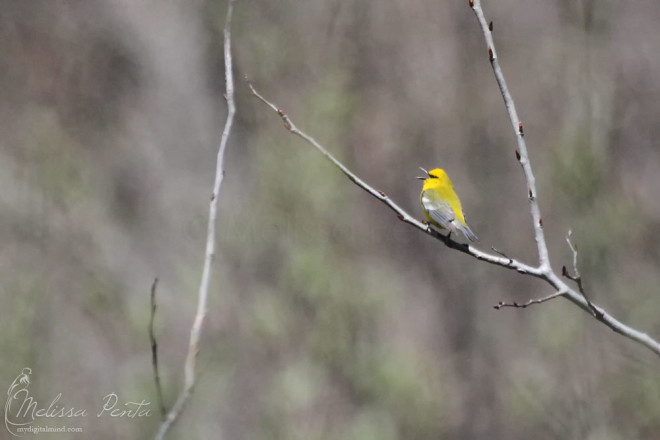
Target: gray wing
x=440 y=212
x=443 y=215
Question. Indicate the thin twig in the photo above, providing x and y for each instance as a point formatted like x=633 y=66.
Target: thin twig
x=195 y=331
x=542 y=271
x=499 y=252
x=524 y=305
x=577 y=278
x=154 y=351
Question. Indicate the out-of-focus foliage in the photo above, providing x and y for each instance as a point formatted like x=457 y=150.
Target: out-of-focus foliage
x=328 y=318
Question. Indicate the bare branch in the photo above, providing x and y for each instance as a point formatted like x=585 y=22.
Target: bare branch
x=544 y=269
x=521 y=152
x=577 y=278
x=523 y=157
x=516 y=305
x=154 y=351
x=543 y=272
x=503 y=261
x=574 y=251
x=195 y=331
x=499 y=252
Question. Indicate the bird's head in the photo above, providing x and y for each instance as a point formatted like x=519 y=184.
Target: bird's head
x=436 y=173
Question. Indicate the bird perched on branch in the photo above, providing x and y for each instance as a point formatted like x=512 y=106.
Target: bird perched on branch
x=442 y=206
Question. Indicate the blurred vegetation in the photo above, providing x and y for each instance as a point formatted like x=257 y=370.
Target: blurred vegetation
x=328 y=318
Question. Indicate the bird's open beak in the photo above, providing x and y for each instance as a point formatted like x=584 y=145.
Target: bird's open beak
x=425 y=177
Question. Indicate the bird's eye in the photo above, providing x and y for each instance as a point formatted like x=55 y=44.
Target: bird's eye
x=432 y=176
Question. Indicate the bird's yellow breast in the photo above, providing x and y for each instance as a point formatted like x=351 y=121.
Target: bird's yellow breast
x=440 y=187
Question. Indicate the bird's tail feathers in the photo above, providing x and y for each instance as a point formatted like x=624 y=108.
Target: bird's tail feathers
x=465 y=229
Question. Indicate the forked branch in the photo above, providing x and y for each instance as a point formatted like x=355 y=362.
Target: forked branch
x=543 y=270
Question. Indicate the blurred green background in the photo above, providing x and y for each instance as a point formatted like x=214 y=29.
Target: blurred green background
x=328 y=318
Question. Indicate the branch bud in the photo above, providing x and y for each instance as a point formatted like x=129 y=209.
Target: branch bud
x=541 y=221
x=472 y=3
x=490 y=26
x=518 y=155
x=520 y=129
x=490 y=55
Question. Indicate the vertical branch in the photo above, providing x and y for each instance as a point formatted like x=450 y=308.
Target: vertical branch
x=154 y=351
x=195 y=331
x=521 y=152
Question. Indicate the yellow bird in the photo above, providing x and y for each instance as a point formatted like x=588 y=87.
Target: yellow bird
x=442 y=206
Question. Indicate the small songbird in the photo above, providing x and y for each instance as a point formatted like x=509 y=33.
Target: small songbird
x=442 y=206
